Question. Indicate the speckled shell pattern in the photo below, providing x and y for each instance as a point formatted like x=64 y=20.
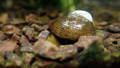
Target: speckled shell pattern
x=72 y=28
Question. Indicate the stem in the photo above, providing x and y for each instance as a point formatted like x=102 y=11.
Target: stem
x=67 y=5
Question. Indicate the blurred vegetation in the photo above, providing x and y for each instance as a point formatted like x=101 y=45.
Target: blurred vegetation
x=96 y=7
x=59 y=4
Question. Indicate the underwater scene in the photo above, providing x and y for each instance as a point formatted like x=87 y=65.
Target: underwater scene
x=59 y=33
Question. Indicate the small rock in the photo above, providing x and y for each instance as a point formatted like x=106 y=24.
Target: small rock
x=26 y=49
x=112 y=43
x=10 y=30
x=36 y=19
x=29 y=32
x=30 y=17
x=39 y=28
x=16 y=37
x=8 y=45
x=24 y=41
x=86 y=41
x=27 y=57
x=66 y=51
x=17 y=21
x=101 y=25
x=45 y=48
x=117 y=36
x=44 y=34
x=13 y=58
x=36 y=27
x=114 y=27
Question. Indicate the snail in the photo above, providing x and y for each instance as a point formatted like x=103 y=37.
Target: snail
x=77 y=23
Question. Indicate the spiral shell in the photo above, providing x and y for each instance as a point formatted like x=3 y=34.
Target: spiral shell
x=73 y=26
